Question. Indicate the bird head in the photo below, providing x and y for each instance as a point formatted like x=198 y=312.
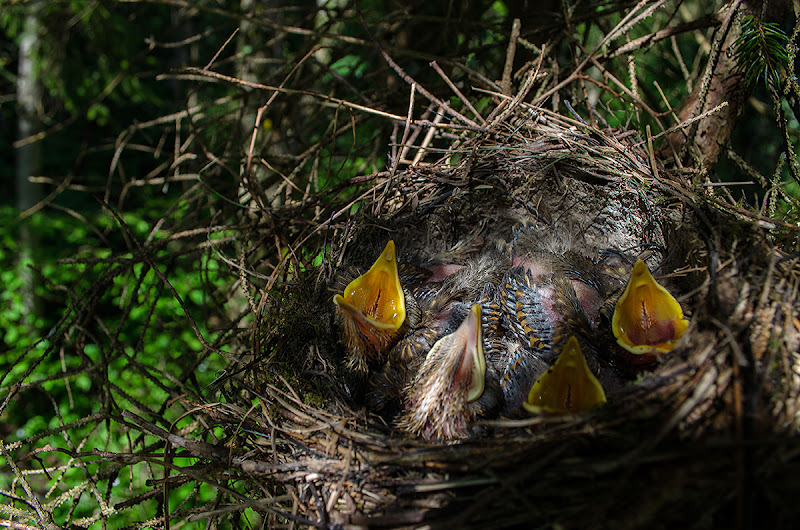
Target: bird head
x=372 y=310
x=647 y=319
x=568 y=386
x=446 y=392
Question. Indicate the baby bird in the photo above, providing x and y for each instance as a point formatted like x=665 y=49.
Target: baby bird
x=647 y=319
x=556 y=253
x=372 y=312
x=543 y=312
x=453 y=386
x=437 y=308
x=568 y=386
x=517 y=366
x=544 y=315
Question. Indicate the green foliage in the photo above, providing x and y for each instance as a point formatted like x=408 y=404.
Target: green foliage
x=350 y=65
x=87 y=83
x=137 y=349
x=143 y=325
x=21 y=328
x=761 y=51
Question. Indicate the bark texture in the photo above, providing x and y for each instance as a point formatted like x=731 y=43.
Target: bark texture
x=701 y=144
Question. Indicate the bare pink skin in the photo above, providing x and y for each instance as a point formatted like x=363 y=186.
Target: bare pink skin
x=440 y=272
x=537 y=271
x=589 y=298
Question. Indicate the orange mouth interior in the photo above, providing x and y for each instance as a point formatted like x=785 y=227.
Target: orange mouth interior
x=376 y=297
x=647 y=317
x=473 y=361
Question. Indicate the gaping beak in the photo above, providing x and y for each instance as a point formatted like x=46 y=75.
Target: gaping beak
x=373 y=308
x=451 y=376
x=647 y=319
x=465 y=346
x=568 y=386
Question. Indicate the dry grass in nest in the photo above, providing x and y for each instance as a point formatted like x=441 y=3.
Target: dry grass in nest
x=702 y=440
x=703 y=437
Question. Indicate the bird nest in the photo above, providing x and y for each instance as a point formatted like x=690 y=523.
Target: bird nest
x=694 y=439
x=701 y=438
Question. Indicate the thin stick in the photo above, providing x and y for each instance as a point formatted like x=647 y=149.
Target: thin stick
x=406 y=130
x=427 y=140
x=410 y=80
x=511 y=51
x=688 y=122
x=455 y=89
x=224 y=45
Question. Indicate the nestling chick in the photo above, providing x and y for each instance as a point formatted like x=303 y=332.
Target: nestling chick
x=548 y=319
x=569 y=386
x=454 y=385
x=372 y=312
x=436 y=309
x=556 y=253
x=647 y=319
x=542 y=312
x=518 y=367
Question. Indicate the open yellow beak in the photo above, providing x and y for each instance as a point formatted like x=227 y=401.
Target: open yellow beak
x=647 y=319
x=373 y=306
x=568 y=386
x=376 y=296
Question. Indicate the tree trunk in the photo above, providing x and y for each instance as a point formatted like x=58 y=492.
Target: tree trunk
x=701 y=144
x=29 y=154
